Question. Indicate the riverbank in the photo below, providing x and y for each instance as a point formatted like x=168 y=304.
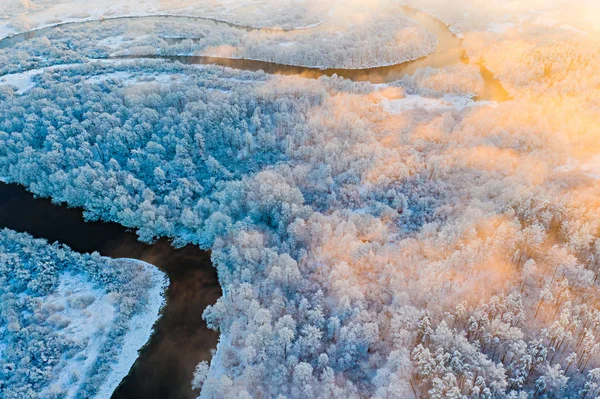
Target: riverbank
x=141 y=328
x=72 y=323
x=338 y=43
x=180 y=337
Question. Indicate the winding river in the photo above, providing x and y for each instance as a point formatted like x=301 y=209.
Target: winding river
x=449 y=52
x=181 y=339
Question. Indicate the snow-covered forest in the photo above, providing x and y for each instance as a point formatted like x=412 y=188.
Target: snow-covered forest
x=70 y=323
x=390 y=38
x=372 y=241
x=21 y=15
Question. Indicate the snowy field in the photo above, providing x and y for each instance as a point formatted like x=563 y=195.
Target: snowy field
x=471 y=15
x=22 y=82
x=138 y=329
x=71 y=325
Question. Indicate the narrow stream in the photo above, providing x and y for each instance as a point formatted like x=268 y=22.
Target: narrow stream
x=181 y=338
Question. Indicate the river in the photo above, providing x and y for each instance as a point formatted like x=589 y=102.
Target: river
x=181 y=338
x=449 y=52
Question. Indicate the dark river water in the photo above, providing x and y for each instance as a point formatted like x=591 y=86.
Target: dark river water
x=492 y=89
x=181 y=338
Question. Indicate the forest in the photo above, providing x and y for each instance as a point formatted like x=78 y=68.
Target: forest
x=367 y=246
x=387 y=40
x=314 y=215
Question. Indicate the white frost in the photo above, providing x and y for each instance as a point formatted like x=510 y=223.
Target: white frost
x=21 y=81
x=89 y=325
x=86 y=324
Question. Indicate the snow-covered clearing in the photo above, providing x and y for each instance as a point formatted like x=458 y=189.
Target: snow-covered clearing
x=139 y=329
x=592 y=167
x=24 y=81
x=21 y=81
x=88 y=313
x=415 y=101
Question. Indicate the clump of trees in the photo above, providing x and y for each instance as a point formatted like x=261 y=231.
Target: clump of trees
x=36 y=344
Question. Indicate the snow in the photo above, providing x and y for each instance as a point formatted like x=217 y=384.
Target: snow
x=286 y=44
x=88 y=324
x=114 y=75
x=500 y=27
x=496 y=17
x=130 y=78
x=82 y=312
x=112 y=42
x=592 y=167
x=492 y=162
x=140 y=329
x=85 y=326
x=415 y=101
x=21 y=81
x=388 y=40
x=273 y=15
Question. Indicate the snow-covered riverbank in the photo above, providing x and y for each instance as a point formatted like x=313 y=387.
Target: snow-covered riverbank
x=140 y=327
x=72 y=324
